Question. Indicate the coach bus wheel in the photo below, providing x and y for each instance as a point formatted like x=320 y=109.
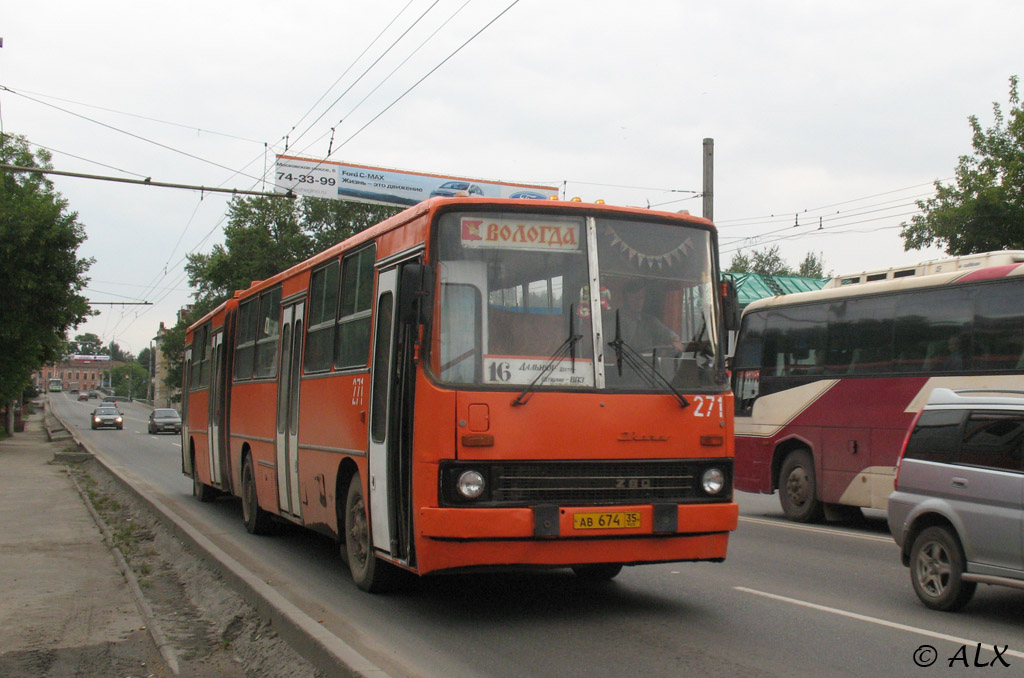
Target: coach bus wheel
x=936 y=570
x=597 y=573
x=798 y=487
x=201 y=490
x=257 y=521
x=369 y=572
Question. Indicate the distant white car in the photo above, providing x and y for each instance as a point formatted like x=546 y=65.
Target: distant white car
x=451 y=189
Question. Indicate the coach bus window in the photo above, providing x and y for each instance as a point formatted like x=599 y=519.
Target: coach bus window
x=245 y=348
x=860 y=336
x=352 y=341
x=795 y=341
x=268 y=326
x=931 y=330
x=999 y=327
x=323 y=309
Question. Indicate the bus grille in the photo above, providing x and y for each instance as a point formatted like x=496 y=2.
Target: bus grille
x=595 y=483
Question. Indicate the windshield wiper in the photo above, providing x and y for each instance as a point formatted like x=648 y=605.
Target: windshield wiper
x=624 y=353
x=568 y=347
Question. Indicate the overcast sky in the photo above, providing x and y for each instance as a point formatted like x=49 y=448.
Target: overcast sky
x=832 y=114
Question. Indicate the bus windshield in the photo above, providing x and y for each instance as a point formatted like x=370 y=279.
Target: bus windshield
x=517 y=305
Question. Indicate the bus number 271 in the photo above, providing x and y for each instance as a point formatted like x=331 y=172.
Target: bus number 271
x=708 y=406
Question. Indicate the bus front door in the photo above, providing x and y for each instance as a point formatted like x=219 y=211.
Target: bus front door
x=287 y=438
x=390 y=445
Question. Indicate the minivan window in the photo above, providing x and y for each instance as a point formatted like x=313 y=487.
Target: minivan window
x=993 y=440
x=936 y=436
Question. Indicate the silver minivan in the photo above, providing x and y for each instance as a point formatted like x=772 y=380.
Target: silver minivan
x=958 y=509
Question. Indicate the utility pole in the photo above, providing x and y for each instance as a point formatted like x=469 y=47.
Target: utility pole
x=709 y=179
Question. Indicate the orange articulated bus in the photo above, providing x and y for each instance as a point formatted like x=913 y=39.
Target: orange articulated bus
x=478 y=383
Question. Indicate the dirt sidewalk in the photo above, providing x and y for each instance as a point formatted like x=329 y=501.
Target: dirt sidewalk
x=65 y=607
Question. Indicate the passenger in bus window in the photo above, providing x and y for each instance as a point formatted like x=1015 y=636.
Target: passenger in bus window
x=640 y=328
x=954 y=360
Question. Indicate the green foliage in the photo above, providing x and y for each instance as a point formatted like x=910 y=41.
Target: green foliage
x=984 y=209
x=40 y=274
x=769 y=262
x=86 y=344
x=129 y=379
x=117 y=353
x=813 y=266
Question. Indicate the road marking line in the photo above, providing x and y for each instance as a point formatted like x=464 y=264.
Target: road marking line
x=873 y=620
x=812 y=528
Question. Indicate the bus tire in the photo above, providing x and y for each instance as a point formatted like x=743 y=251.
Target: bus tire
x=257 y=521
x=597 y=573
x=201 y=490
x=798 y=488
x=937 y=568
x=369 y=572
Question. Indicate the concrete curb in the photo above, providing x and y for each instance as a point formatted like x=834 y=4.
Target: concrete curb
x=323 y=649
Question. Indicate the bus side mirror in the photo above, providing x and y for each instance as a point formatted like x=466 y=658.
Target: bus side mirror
x=415 y=290
x=730 y=304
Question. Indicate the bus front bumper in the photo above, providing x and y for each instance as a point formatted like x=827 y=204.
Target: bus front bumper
x=552 y=535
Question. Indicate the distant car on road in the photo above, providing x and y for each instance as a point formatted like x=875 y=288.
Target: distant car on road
x=107 y=416
x=82 y=395
x=161 y=420
x=110 y=399
x=957 y=511
x=451 y=189
x=94 y=394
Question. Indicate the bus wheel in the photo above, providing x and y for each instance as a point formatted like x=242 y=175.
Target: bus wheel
x=597 y=573
x=201 y=490
x=257 y=521
x=368 y=571
x=798 y=487
x=936 y=570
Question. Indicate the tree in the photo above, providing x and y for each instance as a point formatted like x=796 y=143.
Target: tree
x=983 y=210
x=763 y=262
x=770 y=262
x=813 y=266
x=41 y=275
x=328 y=222
x=86 y=344
x=118 y=354
x=129 y=380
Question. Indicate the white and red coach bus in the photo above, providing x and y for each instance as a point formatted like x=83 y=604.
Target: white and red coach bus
x=827 y=383
x=464 y=385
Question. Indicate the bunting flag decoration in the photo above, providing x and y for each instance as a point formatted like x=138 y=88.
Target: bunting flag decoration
x=672 y=252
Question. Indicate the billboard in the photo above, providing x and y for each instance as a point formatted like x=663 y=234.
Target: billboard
x=339 y=181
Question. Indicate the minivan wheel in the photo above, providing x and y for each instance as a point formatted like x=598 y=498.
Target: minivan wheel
x=798 y=488
x=937 y=568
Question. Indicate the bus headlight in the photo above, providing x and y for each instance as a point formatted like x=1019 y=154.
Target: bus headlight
x=712 y=481
x=470 y=484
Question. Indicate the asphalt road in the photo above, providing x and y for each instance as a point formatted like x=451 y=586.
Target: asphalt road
x=790 y=600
